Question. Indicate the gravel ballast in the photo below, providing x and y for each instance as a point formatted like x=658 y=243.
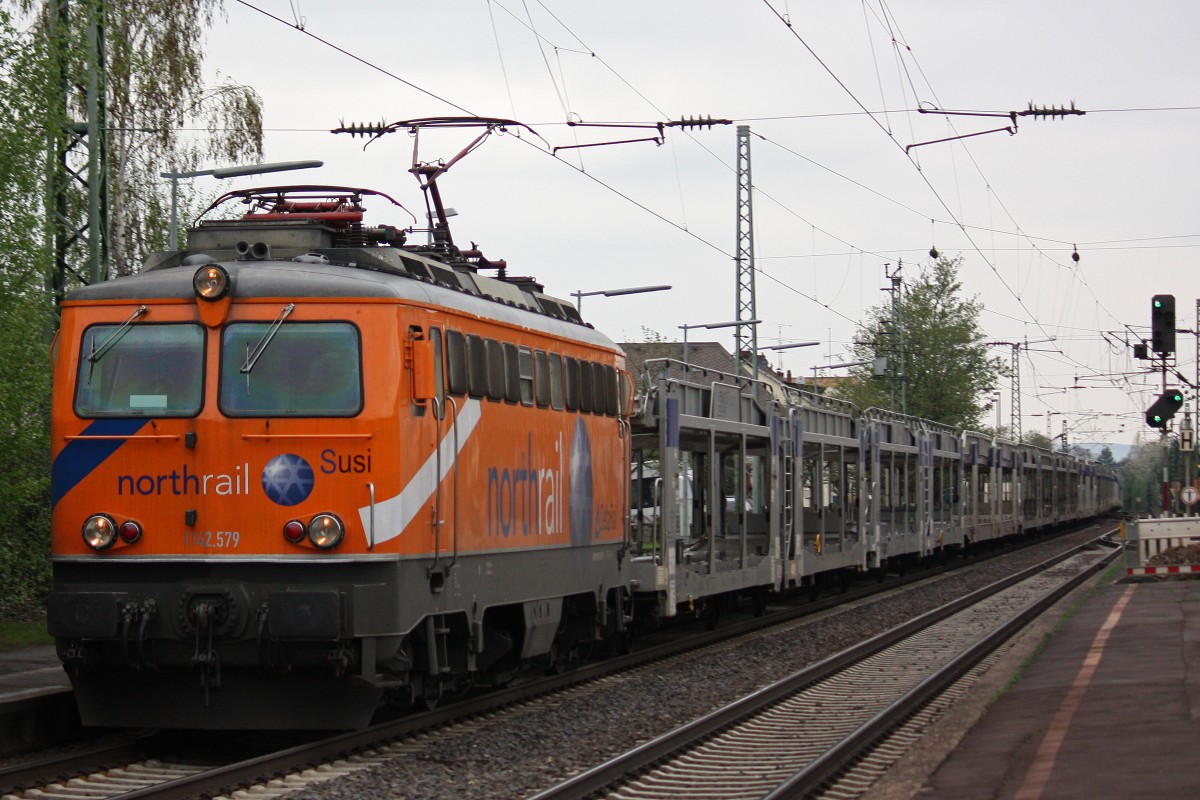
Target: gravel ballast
x=520 y=754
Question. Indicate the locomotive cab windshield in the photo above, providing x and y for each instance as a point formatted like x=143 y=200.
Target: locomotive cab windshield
x=310 y=369
x=150 y=370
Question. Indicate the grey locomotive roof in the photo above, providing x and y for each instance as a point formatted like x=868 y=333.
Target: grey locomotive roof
x=290 y=280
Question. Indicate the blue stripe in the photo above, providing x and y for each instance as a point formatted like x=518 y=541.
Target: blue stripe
x=77 y=460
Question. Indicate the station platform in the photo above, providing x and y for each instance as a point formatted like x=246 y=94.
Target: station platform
x=30 y=668
x=36 y=704
x=1099 y=699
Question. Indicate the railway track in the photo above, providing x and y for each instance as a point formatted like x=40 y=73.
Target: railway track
x=801 y=734
x=148 y=768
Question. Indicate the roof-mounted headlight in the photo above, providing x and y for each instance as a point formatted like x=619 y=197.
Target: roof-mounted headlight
x=211 y=282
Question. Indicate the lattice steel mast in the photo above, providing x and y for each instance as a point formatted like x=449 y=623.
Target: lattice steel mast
x=77 y=151
x=745 y=336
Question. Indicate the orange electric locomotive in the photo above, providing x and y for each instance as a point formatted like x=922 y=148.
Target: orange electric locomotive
x=304 y=468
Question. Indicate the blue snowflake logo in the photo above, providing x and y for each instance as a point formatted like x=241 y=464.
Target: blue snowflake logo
x=287 y=479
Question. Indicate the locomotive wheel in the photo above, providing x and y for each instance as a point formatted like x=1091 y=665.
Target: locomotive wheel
x=402 y=699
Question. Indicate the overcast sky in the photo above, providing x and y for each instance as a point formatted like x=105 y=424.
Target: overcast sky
x=829 y=91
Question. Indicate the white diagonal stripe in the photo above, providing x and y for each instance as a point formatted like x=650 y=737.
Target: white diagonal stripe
x=393 y=515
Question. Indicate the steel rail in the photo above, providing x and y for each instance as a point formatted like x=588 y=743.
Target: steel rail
x=90 y=759
x=808 y=780
x=646 y=755
x=276 y=764
x=254 y=770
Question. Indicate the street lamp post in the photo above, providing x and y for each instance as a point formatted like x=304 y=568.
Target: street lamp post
x=710 y=326
x=785 y=347
x=615 y=292
x=222 y=173
x=837 y=366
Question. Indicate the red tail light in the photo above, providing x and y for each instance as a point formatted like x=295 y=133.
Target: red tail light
x=294 y=531
x=130 y=532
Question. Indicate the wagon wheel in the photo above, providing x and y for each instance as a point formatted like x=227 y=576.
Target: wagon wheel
x=760 y=602
x=556 y=659
x=712 y=613
x=431 y=694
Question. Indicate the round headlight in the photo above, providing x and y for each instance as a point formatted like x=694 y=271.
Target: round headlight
x=294 y=531
x=130 y=532
x=211 y=282
x=326 y=531
x=100 y=532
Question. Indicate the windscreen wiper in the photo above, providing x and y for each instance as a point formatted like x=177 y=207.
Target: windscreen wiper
x=259 y=348
x=114 y=337
x=108 y=344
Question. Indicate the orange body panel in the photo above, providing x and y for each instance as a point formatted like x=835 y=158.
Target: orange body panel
x=509 y=476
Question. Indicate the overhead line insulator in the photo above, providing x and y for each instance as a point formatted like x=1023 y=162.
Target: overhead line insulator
x=357 y=129
x=687 y=123
x=1053 y=112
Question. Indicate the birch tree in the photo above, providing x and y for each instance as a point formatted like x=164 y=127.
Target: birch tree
x=160 y=115
x=156 y=90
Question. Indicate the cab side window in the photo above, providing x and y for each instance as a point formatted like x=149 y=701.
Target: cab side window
x=495 y=370
x=541 y=372
x=456 y=363
x=477 y=370
x=525 y=375
x=557 y=390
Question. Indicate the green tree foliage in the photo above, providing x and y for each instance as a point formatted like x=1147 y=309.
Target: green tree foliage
x=25 y=322
x=946 y=364
x=155 y=90
x=155 y=58
x=1141 y=476
x=1037 y=440
x=1106 y=457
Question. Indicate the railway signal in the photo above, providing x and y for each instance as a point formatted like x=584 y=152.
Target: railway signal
x=1164 y=408
x=1162 y=323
